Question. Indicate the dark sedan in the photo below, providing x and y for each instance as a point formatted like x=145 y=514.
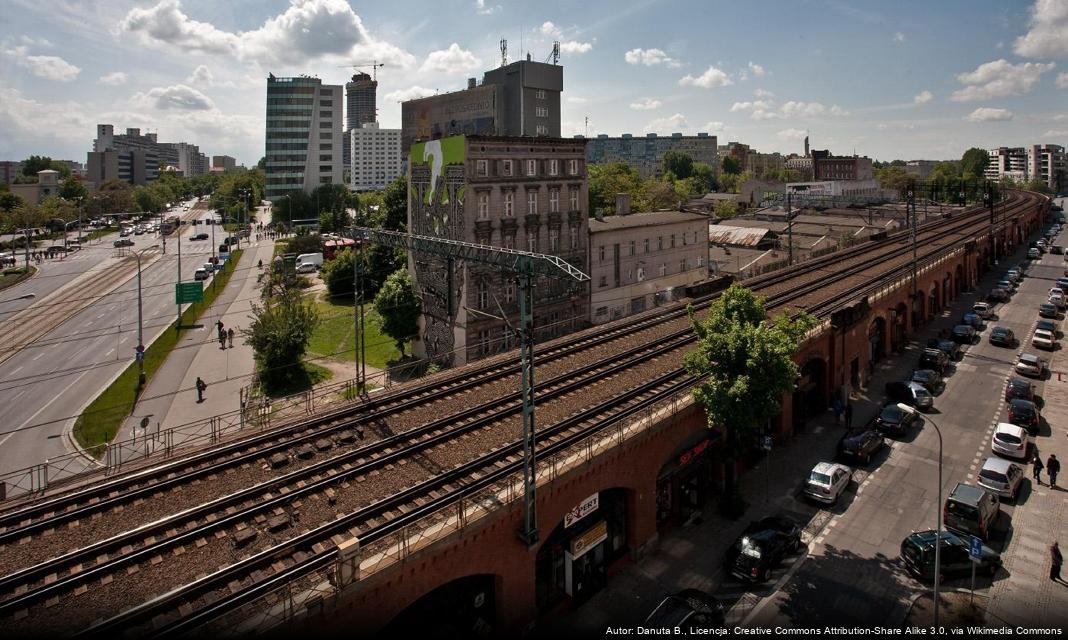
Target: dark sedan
x=1019 y=388
x=199 y=236
x=1048 y=325
x=761 y=548
x=896 y=419
x=860 y=444
x=929 y=378
x=691 y=607
x=997 y=295
x=964 y=334
x=1024 y=413
x=1003 y=337
x=934 y=359
x=1047 y=310
x=918 y=556
x=949 y=347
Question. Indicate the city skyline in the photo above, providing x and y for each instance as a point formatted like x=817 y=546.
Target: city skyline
x=854 y=76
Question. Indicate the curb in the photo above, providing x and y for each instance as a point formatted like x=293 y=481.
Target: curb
x=36 y=270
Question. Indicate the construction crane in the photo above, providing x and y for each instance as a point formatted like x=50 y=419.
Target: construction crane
x=359 y=66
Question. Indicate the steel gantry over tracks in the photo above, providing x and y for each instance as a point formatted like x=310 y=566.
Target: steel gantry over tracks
x=526 y=266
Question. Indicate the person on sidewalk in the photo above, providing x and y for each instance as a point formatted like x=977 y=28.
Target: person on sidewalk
x=849 y=415
x=1055 y=560
x=836 y=406
x=201 y=386
x=1053 y=467
x=230 y=335
x=222 y=338
x=1036 y=468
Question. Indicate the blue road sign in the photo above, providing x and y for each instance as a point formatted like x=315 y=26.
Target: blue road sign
x=767 y=443
x=975 y=551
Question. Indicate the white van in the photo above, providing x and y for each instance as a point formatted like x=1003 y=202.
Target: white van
x=310 y=258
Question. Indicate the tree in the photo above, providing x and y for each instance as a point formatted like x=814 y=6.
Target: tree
x=608 y=179
x=974 y=162
x=262 y=164
x=147 y=200
x=892 y=178
x=677 y=163
x=704 y=178
x=9 y=201
x=1038 y=185
x=33 y=164
x=657 y=195
x=395 y=205
x=731 y=165
x=725 y=208
x=279 y=335
x=113 y=196
x=748 y=365
x=72 y=189
x=399 y=307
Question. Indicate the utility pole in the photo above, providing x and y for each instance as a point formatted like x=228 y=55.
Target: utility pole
x=988 y=200
x=178 y=241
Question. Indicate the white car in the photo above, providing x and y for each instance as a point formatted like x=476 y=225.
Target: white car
x=1034 y=254
x=200 y=274
x=306 y=267
x=1030 y=365
x=1000 y=477
x=1043 y=339
x=827 y=481
x=982 y=310
x=1010 y=440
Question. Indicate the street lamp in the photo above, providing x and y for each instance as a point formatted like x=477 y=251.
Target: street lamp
x=938 y=527
x=140 y=336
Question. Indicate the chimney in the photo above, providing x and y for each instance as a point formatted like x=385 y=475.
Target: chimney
x=622 y=204
x=470 y=83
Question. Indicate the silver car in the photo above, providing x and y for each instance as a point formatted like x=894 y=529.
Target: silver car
x=827 y=481
x=1010 y=440
x=1030 y=365
x=1000 y=477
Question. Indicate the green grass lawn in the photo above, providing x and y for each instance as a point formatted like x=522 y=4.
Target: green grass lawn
x=11 y=277
x=336 y=335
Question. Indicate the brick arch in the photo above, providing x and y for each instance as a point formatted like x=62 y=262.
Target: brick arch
x=460 y=607
x=878 y=336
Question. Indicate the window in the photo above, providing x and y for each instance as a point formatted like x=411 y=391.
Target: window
x=326 y=158
x=324 y=114
x=509 y=204
x=554 y=167
x=572 y=167
x=630 y=274
x=540 y=95
x=325 y=135
x=541 y=112
x=554 y=200
x=483 y=294
x=509 y=291
x=483 y=206
x=326 y=103
x=682 y=265
x=532 y=241
x=684 y=238
x=532 y=202
x=603 y=282
x=532 y=167
x=506 y=167
x=325 y=168
x=632 y=247
x=641 y=274
x=660 y=243
x=647 y=245
x=484 y=341
x=509 y=241
x=663 y=269
x=482 y=168
x=574 y=238
x=554 y=241
x=326 y=147
x=673 y=241
x=700 y=262
x=573 y=199
x=541 y=130
x=601 y=252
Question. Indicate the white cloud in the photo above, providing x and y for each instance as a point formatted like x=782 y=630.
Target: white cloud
x=999 y=78
x=1056 y=133
x=791 y=134
x=114 y=79
x=650 y=58
x=35 y=42
x=765 y=109
x=715 y=126
x=670 y=124
x=646 y=104
x=453 y=60
x=922 y=97
x=178 y=96
x=47 y=67
x=1062 y=81
x=201 y=75
x=411 y=93
x=757 y=69
x=567 y=46
x=762 y=93
x=838 y=111
x=710 y=79
x=1048 y=35
x=483 y=10
x=577 y=100
x=751 y=106
x=899 y=37
x=987 y=114
x=549 y=29
x=307 y=30
x=795 y=109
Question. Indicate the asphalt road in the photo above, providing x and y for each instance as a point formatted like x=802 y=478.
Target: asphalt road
x=50 y=381
x=852 y=574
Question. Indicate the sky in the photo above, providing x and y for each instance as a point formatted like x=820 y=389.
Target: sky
x=909 y=79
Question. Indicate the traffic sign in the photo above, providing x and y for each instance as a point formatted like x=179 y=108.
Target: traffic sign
x=767 y=443
x=188 y=292
x=139 y=356
x=975 y=550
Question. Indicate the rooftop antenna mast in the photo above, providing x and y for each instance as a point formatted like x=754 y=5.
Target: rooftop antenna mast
x=504 y=52
x=587 y=134
x=555 y=55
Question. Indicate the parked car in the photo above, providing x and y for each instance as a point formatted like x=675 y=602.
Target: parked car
x=123 y=242
x=1010 y=440
x=1016 y=273
x=997 y=295
x=949 y=347
x=1056 y=298
x=1024 y=413
x=860 y=444
x=973 y=320
x=934 y=359
x=230 y=240
x=1000 y=477
x=688 y=608
x=1057 y=249
x=827 y=482
x=306 y=267
x=964 y=334
x=1047 y=310
x=1034 y=253
x=1019 y=388
x=1048 y=325
x=761 y=548
x=200 y=274
x=918 y=556
x=897 y=418
x=929 y=378
x=983 y=310
x=911 y=393
x=1043 y=340
x=1007 y=285
x=1062 y=283
x=971 y=510
x=1031 y=365
x=1003 y=337
x=139 y=230
x=125 y=231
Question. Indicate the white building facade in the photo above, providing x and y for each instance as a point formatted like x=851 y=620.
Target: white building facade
x=376 y=157
x=303 y=136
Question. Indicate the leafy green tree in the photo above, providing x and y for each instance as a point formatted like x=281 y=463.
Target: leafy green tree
x=608 y=179
x=113 y=196
x=72 y=189
x=704 y=178
x=309 y=243
x=725 y=208
x=893 y=178
x=747 y=364
x=1038 y=185
x=9 y=201
x=262 y=164
x=395 y=204
x=279 y=335
x=731 y=165
x=337 y=274
x=399 y=307
x=33 y=164
x=677 y=163
x=974 y=162
x=656 y=195
x=146 y=200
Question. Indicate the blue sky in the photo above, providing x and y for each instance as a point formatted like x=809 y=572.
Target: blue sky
x=904 y=80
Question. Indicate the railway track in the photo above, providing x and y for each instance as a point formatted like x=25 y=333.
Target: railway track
x=265 y=558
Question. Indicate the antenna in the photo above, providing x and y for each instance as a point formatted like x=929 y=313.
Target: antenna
x=504 y=52
x=587 y=134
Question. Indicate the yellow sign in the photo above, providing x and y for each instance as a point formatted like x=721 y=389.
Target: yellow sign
x=597 y=534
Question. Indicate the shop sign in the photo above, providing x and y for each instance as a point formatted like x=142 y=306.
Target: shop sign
x=596 y=535
x=584 y=508
x=699 y=448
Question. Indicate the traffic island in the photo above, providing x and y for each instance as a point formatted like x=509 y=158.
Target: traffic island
x=13 y=276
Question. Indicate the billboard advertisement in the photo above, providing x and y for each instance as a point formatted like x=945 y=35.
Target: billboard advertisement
x=471 y=112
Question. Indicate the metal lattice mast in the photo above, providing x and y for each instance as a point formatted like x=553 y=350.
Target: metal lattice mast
x=527 y=266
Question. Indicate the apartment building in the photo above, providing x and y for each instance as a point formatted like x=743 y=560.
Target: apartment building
x=376 y=157
x=1046 y=162
x=646 y=154
x=303 y=135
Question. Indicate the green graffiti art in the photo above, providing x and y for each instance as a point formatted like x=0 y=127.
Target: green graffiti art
x=438 y=154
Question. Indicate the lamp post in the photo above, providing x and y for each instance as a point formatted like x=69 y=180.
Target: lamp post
x=938 y=526
x=140 y=350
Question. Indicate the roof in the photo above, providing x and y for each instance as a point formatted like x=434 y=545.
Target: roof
x=967 y=493
x=1000 y=465
x=737 y=236
x=1006 y=427
x=647 y=219
x=826 y=467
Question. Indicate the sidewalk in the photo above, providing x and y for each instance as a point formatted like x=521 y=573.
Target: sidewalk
x=225 y=371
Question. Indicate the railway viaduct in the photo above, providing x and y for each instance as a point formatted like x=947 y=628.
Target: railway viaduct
x=607 y=507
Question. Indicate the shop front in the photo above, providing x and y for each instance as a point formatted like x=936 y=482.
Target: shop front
x=686 y=481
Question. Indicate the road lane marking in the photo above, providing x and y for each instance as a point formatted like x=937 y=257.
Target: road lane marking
x=17 y=370
x=38 y=356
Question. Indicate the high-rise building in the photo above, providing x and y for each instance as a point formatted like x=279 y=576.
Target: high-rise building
x=226 y=163
x=646 y=154
x=360 y=101
x=376 y=157
x=519 y=99
x=522 y=193
x=1046 y=162
x=190 y=161
x=304 y=135
x=132 y=157
x=1008 y=162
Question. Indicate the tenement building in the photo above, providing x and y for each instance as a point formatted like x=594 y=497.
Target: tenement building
x=514 y=192
x=303 y=138
x=646 y=154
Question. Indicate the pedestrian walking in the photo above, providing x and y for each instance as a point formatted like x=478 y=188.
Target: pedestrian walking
x=222 y=338
x=849 y=415
x=1053 y=467
x=201 y=386
x=230 y=334
x=1036 y=468
x=836 y=406
x=219 y=325
x=1055 y=561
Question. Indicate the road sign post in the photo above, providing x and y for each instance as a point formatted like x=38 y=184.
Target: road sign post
x=766 y=443
x=188 y=292
x=975 y=552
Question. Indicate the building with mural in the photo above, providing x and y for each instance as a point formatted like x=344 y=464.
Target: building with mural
x=519 y=193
